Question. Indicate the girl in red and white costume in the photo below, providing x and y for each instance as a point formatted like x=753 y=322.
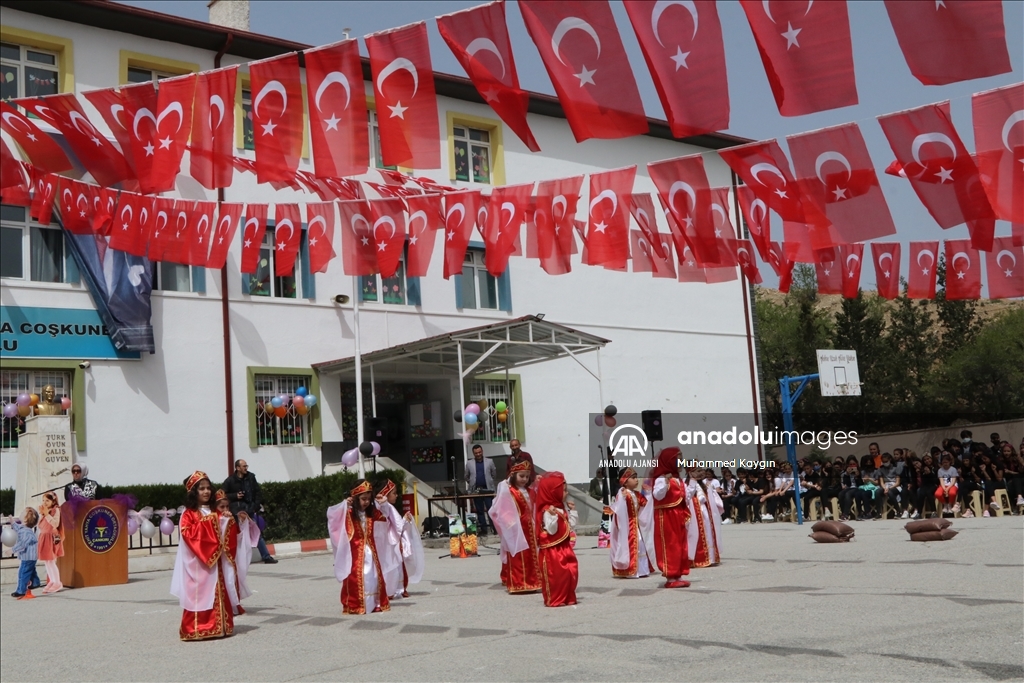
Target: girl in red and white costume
x=556 y=518
x=358 y=530
x=632 y=529
x=670 y=515
x=512 y=514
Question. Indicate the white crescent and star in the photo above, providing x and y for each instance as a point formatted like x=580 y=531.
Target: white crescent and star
x=1009 y=271
x=412 y=217
x=755 y=222
x=770 y=168
x=575 y=23
x=284 y=223
x=1012 y=120
x=682 y=186
x=511 y=208
x=559 y=200
x=398 y=64
x=323 y=230
x=659 y=8
x=960 y=255
x=925 y=138
x=269 y=87
x=461 y=209
x=126 y=221
x=487 y=45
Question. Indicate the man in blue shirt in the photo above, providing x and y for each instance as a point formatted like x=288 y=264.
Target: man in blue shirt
x=480 y=474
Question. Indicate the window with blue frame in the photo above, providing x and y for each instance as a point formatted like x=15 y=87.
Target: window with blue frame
x=397 y=290
x=476 y=288
x=31 y=251
x=299 y=285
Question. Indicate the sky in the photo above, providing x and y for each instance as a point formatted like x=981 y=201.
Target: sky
x=884 y=82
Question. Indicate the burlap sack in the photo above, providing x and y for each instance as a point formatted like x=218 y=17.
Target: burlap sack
x=927 y=536
x=835 y=528
x=948 y=534
x=927 y=525
x=825 y=537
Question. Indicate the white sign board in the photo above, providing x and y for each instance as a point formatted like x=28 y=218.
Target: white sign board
x=838 y=374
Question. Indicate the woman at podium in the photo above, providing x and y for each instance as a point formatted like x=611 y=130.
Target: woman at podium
x=198 y=582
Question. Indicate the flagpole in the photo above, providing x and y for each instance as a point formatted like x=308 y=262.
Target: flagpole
x=359 y=374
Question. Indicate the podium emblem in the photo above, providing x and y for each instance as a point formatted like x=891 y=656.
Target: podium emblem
x=100 y=529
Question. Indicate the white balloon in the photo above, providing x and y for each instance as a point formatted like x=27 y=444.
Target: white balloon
x=9 y=537
x=147 y=528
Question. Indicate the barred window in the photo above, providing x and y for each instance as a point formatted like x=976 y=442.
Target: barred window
x=491 y=427
x=14 y=382
x=27 y=72
x=289 y=429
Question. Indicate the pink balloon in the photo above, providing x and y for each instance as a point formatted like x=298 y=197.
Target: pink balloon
x=166 y=527
x=473 y=408
x=133 y=526
x=24 y=399
x=350 y=458
x=599 y=420
x=65 y=402
x=298 y=401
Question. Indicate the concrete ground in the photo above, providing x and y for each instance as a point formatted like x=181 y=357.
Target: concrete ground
x=780 y=607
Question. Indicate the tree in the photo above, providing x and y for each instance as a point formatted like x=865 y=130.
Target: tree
x=858 y=327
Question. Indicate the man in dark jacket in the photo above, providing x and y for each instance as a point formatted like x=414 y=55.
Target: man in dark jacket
x=244 y=496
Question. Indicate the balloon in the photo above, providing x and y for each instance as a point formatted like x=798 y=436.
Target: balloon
x=147 y=528
x=500 y=406
x=24 y=411
x=310 y=400
x=65 y=402
x=472 y=427
x=301 y=391
x=166 y=527
x=471 y=418
x=610 y=410
x=9 y=537
x=268 y=407
x=298 y=402
x=280 y=411
x=350 y=458
x=473 y=408
x=457 y=416
x=33 y=399
x=24 y=400
x=609 y=420
x=276 y=402
x=483 y=404
x=301 y=410
x=502 y=417
x=284 y=399
x=599 y=420
x=376 y=448
x=10 y=410
x=133 y=526
x=366 y=448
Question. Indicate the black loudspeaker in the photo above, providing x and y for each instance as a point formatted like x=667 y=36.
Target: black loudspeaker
x=455 y=459
x=652 y=424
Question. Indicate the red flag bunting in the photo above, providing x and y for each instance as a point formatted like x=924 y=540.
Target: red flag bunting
x=963 y=270
x=179 y=234
x=45 y=186
x=755 y=214
x=851 y=256
x=104 y=201
x=224 y=234
x=110 y=105
x=126 y=232
x=886 y=257
x=683 y=47
x=75 y=206
x=197 y=251
x=504 y=225
x=765 y=170
x=161 y=121
x=337 y=110
x=1005 y=267
x=1018 y=234
x=213 y=128
x=41 y=149
x=162 y=226
x=253 y=232
x=948 y=41
x=828 y=267
x=426 y=218
x=999 y=142
x=921 y=276
x=641 y=206
x=683 y=189
x=460 y=213
x=608 y=217
x=554 y=214
x=287 y=238
x=938 y=165
x=403 y=84
x=320 y=229
x=745 y=258
x=277 y=117
x=388 y=234
x=807 y=53
x=583 y=54
x=358 y=253
x=478 y=37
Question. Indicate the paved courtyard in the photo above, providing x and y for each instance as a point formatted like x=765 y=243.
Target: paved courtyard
x=779 y=608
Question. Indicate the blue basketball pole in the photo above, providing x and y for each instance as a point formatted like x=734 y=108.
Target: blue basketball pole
x=789 y=397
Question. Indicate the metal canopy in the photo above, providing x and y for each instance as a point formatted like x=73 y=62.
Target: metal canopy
x=491 y=348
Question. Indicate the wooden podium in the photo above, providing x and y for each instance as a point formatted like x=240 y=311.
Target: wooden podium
x=95 y=544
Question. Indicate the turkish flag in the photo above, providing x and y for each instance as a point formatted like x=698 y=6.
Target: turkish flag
x=807 y=53
x=178 y=235
x=641 y=206
x=403 y=84
x=320 y=228
x=197 y=249
x=765 y=170
x=724 y=229
x=253 y=231
x=277 y=117
x=835 y=172
x=652 y=253
x=802 y=240
x=461 y=209
x=755 y=214
x=683 y=47
x=388 y=234
x=937 y=164
x=716 y=274
x=504 y=224
x=224 y=234
x=553 y=216
x=161 y=123
x=478 y=37
x=886 y=256
x=160 y=228
x=287 y=238
x=608 y=217
x=213 y=128
x=426 y=217
x=683 y=189
x=358 y=251
x=828 y=266
x=125 y=232
x=999 y=142
x=963 y=270
x=337 y=110
x=948 y=41
x=45 y=189
x=583 y=54
x=75 y=206
x=1018 y=234
x=923 y=269
x=107 y=165
x=40 y=148
x=851 y=256
x=13 y=175
x=744 y=255
x=1005 y=267
x=110 y=105
x=104 y=201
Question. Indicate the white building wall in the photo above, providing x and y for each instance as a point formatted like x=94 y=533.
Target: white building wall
x=677 y=347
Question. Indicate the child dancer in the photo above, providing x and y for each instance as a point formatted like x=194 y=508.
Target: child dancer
x=670 y=515
x=700 y=534
x=51 y=540
x=556 y=518
x=404 y=542
x=632 y=529
x=235 y=562
x=357 y=530
x=26 y=550
x=512 y=514
x=199 y=579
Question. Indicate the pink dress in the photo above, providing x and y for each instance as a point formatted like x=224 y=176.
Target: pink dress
x=51 y=543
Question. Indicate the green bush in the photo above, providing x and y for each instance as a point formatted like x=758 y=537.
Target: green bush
x=294 y=510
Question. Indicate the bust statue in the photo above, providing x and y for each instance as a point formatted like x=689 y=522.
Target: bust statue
x=47 y=405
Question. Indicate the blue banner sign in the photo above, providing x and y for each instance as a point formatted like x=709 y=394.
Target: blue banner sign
x=70 y=333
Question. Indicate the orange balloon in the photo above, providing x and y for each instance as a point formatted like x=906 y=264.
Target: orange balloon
x=301 y=410
x=24 y=411
x=502 y=417
x=280 y=412
x=33 y=399
x=268 y=408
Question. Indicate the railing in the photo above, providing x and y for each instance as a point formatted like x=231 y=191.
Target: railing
x=159 y=542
